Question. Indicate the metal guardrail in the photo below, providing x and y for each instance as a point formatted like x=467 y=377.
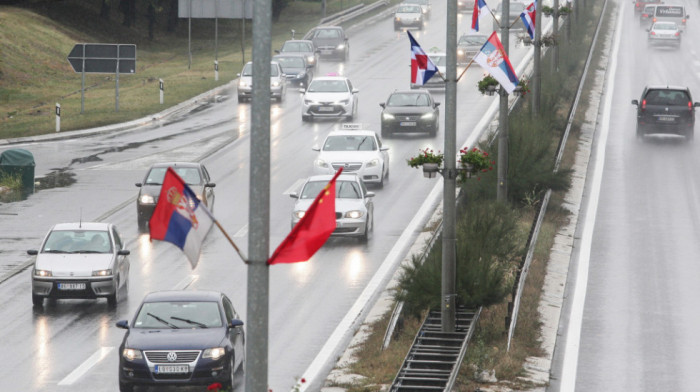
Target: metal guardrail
x=433 y=362
x=352 y=13
x=532 y=241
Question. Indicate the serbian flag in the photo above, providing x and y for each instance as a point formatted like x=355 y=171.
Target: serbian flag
x=422 y=68
x=179 y=217
x=312 y=230
x=528 y=17
x=479 y=8
x=494 y=60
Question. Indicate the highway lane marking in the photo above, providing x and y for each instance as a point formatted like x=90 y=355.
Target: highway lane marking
x=186 y=282
x=573 y=335
x=295 y=187
x=242 y=232
x=84 y=367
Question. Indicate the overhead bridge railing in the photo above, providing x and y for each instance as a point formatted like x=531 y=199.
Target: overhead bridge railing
x=433 y=362
x=352 y=12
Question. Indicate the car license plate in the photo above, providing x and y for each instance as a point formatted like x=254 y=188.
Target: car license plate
x=325 y=108
x=71 y=286
x=407 y=123
x=326 y=51
x=667 y=118
x=170 y=369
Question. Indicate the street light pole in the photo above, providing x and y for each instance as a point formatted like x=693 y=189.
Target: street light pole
x=259 y=200
x=450 y=175
x=502 y=168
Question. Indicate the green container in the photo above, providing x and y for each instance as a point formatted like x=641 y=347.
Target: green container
x=20 y=162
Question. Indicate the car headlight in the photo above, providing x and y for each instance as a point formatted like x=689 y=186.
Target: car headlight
x=387 y=116
x=299 y=76
x=373 y=163
x=214 y=353
x=147 y=199
x=427 y=116
x=343 y=102
x=275 y=84
x=340 y=47
x=242 y=84
x=321 y=163
x=311 y=59
x=131 y=354
x=355 y=214
x=397 y=19
x=43 y=273
x=460 y=52
x=104 y=272
x=299 y=214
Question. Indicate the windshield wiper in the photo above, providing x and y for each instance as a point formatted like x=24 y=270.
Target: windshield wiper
x=197 y=323
x=56 y=251
x=163 y=321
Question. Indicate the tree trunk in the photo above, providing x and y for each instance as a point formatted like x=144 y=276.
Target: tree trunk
x=172 y=16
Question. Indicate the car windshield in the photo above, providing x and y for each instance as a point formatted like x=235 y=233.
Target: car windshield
x=472 y=40
x=328 y=86
x=440 y=60
x=349 y=143
x=188 y=174
x=669 y=10
x=78 y=241
x=290 y=62
x=408 y=100
x=297 y=47
x=179 y=314
x=247 y=70
x=327 y=33
x=665 y=26
x=409 y=9
x=343 y=189
x=667 y=97
x=421 y=2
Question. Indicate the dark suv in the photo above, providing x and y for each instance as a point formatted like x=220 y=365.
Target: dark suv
x=666 y=109
x=330 y=41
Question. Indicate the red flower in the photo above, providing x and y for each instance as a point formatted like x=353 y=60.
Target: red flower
x=214 y=387
x=303 y=380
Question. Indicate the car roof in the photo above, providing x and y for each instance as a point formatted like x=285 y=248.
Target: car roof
x=176 y=164
x=665 y=87
x=353 y=132
x=329 y=78
x=82 y=226
x=422 y=92
x=328 y=177
x=182 y=295
x=299 y=40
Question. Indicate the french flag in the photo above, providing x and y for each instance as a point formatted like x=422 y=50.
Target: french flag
x=180 y=218
x=529 y=16
x=494 y=60
x=422 y=68
x=479 y=8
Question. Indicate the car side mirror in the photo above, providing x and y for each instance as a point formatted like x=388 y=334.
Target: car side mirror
x=696 y=104
x=355 y=91
x=294 y=195
x=123 y=324
x=302 y=90
x=138 y=184
x=369 y=194
x=383 y=105
x=235 y=323
x=635 y=102
x=239 y=75
x=283 y=75
x=277 y=51
x=124 y=252
x=316 y=148
x=32 y=252
x=383 y=148
x=437 y=104
x=210 y=185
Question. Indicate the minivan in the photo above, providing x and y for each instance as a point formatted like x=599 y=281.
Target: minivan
x=670 y=13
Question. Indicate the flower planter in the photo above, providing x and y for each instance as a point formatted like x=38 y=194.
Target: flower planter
x=468 y=170
x=430 y=170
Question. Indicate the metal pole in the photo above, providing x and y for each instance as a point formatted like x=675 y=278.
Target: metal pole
x=82 y=84
x=555 y=31
x=116 y=90
x=259 y=217
x=189 y=38
x=502 y=168
x=216 y=30
x=450 y=176
x=536 y=68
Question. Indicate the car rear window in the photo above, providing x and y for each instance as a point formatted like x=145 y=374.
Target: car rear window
x=669 y=10
x=667 y=97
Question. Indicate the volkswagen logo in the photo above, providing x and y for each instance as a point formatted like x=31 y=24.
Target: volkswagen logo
x=172 y=356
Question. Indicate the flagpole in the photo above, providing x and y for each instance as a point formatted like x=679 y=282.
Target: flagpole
x=231 y=241
x=465 y=69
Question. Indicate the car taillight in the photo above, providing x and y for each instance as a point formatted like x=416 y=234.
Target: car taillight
x=683 y=21
x=652 y=33
x=645 y=15
x=653 y=19
x=644 y=103
x=690 y=106
x=677 y=33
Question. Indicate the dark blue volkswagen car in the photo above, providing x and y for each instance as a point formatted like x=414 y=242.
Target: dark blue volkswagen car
x=182 y=338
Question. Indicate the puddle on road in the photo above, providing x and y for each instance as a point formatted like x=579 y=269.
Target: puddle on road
x=57 y=178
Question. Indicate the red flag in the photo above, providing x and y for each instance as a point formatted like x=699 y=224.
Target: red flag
x=312 y=230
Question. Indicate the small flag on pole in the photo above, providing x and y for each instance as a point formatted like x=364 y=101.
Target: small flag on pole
x=180 y=217
x=480 y=8
x=422 y=68
x=494 y=60
x=529 y=17
x=312 y=230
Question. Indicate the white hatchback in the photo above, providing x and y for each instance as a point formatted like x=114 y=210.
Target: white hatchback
x=357 y=151
x=329 y=96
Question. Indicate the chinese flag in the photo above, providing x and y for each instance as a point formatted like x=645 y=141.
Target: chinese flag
x=312 y=230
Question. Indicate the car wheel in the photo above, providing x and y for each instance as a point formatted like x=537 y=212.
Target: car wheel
x=230 y=382
x=640 y=133
x=125 y=387
x=114 y=298
x=690 y=135
x=381 y=181
x=365 y=236
x=143 y=225
x=396 y=27
x=305 y=118
x=241 y=99
x=37 y=300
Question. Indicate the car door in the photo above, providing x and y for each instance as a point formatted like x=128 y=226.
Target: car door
x=121 y=261
x=235 y=335
x=208 y=191
x=384 y=152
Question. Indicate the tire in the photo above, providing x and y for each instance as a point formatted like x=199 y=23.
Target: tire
x=113 y=299
x=305 y=118
x=230 y=382
x=365 y=236
x=241 y=99
x=689 y=135
x=37 y=300
x=143 y=225
x=640 y=133
x=125 y=387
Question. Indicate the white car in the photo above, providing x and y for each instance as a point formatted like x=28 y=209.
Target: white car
x=80 y=260
x=329 y=96
x=408 y=15
x=357 y=151
x=354 y=210
x=436 y=81
x=664 y=34
x=278 y=82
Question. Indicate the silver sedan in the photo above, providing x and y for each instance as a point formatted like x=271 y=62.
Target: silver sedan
x=664 y=34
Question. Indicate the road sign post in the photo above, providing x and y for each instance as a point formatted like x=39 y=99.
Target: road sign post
x=216 y=70
x=58 y=117
x=102 y=58
x=160 y=83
